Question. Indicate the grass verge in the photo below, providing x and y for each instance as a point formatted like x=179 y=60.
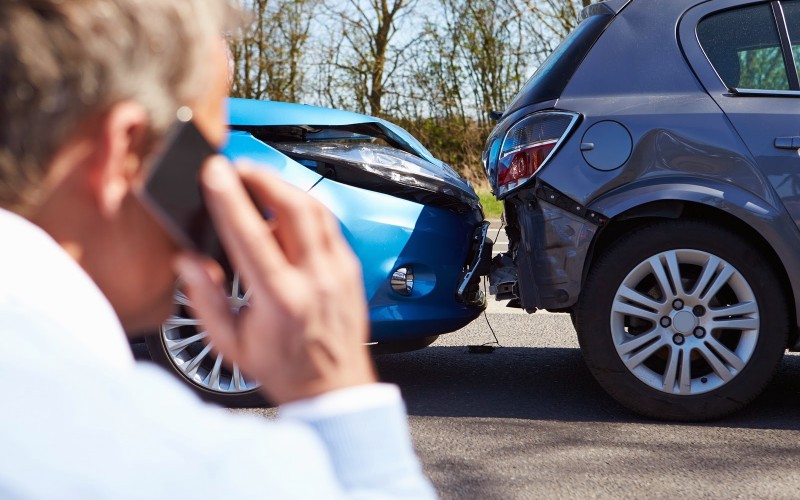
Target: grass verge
x=492 y=208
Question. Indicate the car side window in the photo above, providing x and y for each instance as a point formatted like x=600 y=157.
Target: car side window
x=791 y=13
x=744 y=47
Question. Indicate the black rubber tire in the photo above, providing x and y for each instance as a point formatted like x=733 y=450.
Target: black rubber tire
x=160 y=356
x=593 y=316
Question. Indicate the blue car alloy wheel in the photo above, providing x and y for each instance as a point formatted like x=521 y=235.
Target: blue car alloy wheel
x=415 y=224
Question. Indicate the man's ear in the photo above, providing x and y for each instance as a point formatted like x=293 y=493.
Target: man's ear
x=118 y=156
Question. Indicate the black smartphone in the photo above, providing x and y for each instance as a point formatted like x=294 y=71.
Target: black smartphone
x=172 y=191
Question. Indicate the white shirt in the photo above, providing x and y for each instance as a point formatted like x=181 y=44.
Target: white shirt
x=79 y=418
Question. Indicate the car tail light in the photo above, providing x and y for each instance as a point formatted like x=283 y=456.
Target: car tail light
x=528 y=145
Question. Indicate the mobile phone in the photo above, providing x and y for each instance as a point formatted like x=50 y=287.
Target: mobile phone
x=172 y=190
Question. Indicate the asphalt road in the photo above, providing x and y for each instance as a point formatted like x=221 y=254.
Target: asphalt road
x=529 y=421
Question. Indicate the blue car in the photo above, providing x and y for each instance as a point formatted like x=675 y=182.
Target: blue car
x=416 y=225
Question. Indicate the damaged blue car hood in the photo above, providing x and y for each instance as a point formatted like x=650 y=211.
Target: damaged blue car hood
x=247 y=112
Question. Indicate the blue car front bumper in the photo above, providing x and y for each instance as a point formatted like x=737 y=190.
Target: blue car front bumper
x=388 y=233
x=444 y=244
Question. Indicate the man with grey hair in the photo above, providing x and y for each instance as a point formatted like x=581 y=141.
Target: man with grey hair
x=88 y=89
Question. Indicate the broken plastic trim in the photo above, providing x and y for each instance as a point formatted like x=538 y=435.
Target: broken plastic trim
x=469 y=291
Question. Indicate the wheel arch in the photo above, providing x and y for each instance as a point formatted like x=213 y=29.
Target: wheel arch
x=770 y=230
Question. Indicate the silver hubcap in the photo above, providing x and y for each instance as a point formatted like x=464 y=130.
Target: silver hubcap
x=185 y=340
x=685 y=322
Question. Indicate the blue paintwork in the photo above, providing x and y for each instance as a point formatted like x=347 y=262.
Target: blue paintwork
x=385 y=232
x=271 y=113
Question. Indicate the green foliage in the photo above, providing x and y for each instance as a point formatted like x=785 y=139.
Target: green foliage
x=762 y=68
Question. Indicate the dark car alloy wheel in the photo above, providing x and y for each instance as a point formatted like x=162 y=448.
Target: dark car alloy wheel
x=682 y=320
x=182 y=347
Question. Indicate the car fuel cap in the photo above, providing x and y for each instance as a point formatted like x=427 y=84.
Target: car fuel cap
x=606 y=145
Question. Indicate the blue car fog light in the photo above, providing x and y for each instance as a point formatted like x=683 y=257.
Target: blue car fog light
x=403 y=280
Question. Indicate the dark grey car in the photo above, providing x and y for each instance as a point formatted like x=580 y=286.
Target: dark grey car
x=651 y=180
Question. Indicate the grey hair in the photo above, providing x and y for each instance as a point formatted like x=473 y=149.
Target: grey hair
x=63 y=61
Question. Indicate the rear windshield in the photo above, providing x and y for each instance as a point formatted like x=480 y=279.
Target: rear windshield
x=549 y=81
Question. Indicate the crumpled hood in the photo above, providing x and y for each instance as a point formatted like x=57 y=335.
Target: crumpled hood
x=253 y=113
x=341 y=145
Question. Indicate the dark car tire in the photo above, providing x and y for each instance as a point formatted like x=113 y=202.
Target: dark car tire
x=605 y=325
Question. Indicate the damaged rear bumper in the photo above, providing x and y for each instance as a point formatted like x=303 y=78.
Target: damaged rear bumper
x=549 y=241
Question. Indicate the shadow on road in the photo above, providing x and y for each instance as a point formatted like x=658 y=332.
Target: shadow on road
x=541 y=383
x=548 y=384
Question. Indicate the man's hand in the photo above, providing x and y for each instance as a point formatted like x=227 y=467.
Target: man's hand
x=305 y=329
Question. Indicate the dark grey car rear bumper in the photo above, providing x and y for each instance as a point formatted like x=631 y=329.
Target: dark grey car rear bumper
x=545 y=262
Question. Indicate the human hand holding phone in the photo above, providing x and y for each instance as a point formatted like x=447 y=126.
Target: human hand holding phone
x=305 y=329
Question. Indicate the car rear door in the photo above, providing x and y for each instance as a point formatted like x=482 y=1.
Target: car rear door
x=745 y=55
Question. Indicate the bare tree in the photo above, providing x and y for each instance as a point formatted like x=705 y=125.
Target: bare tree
x=247 y=47
x=548 y=20
x=368 y=57
x=491 y=48
x=434 y=77
x=268 y=54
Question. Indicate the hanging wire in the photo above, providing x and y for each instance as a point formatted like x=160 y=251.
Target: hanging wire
x=486 y=316
x=485 y=285
x=502 y=225
x=476 y=348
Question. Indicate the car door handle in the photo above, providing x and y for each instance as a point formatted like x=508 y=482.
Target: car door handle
x=792 y=142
